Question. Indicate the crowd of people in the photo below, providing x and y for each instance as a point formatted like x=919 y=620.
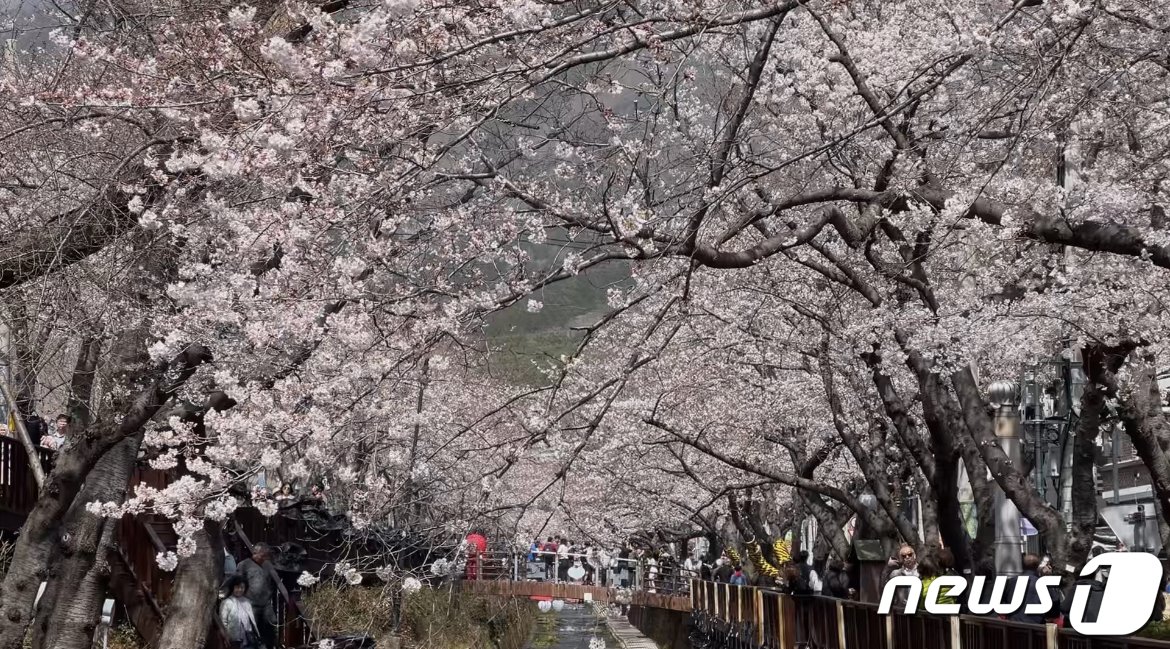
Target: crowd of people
x=796 y=576
x=564 y=560
x=799 y=578
x=555 y=559
x=287 y=494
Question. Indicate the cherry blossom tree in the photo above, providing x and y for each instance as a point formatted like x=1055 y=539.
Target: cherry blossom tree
x=288 y=223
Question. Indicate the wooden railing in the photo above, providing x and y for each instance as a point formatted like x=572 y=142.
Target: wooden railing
x=18 y=487
x=732 y=615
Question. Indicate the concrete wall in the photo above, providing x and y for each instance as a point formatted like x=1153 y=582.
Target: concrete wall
x=668 y=629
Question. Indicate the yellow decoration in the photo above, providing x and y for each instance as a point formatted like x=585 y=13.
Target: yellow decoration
x=758 y=560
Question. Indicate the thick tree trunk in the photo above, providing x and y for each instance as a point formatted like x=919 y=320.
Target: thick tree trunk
x=71 y=605
x=1084 y=482
x=1007 y=475
x=194 y=597
x=873 y=471
x=40 y=533
x=1147 y=427
x=942 y=415
x=1101 y=364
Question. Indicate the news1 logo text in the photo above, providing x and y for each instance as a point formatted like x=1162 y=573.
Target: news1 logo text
x=1130 y=592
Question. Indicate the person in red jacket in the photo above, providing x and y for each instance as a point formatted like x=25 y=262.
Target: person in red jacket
x=476 y=547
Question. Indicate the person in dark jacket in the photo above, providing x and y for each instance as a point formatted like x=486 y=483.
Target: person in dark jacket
x=986 y=569
x=808 y=582
x=1031 y=596
x=723 y=570
x=903 y=564
x=260 y=590
x=836 y=580
x=1093 y=604
x=705 y=570
x=36 y=428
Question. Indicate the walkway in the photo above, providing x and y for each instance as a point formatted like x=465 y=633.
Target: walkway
x=627 y=636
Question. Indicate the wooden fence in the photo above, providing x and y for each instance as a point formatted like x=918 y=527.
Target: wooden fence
x=772 y=619
x=18 y=487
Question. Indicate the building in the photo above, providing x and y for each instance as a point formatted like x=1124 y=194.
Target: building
x=1127 y=503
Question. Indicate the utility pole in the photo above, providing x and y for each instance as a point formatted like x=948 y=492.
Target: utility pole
x=1009 y=542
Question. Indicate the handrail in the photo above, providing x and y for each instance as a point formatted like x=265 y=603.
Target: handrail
x=151 y=534
x=147 y=594
x=782 y=621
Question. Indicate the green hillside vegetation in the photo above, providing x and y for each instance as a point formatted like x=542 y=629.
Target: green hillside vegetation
x=519 y=338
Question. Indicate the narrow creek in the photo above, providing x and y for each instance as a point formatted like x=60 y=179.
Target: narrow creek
x=576 y=626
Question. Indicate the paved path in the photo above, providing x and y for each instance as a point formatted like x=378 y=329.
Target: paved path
x=627 y=635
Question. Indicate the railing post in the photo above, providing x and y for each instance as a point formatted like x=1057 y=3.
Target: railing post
x=787 y=632
x=841 y=624
x=727 y=601
x=738 y=603
x=556 y=568
x=890 y=631
x=1051 y=636
x=760 y=618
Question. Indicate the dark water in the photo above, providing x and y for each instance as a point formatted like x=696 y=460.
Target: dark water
x=572 y=628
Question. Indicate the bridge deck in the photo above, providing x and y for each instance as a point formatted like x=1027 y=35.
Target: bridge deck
x=627 y=635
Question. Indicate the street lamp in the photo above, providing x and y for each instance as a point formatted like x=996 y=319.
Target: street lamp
x=1009 y=542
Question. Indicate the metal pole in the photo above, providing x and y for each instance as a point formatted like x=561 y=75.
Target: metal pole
x=1116 y=479
x=1009 y=542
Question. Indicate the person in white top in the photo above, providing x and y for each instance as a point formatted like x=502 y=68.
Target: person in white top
x=692 y=568
x=238 y=618
x=563 y=559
